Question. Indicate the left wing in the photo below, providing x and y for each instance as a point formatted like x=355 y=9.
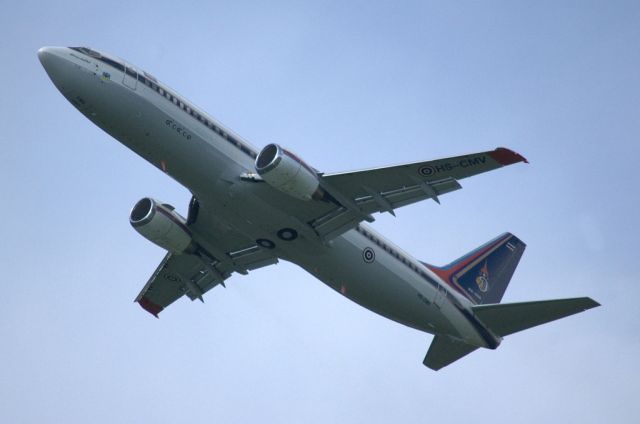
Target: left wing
x=195 y=273
x=362 y=193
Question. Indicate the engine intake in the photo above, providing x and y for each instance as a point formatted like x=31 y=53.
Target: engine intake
x=162 y=225
x=286 y=172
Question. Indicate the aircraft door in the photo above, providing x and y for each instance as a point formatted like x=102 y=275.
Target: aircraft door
x=441 y=295
x=130 y=77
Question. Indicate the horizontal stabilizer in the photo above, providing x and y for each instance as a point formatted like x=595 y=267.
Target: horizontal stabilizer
x=445 y=350
x=508 y=318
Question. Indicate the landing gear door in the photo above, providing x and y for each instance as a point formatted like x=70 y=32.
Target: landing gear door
x=130 y=77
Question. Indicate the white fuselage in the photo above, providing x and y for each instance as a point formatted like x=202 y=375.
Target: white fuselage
x=197 y=151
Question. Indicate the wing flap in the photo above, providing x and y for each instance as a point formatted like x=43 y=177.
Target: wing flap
x=251 y=258
x=342 y=219
x=407 y=195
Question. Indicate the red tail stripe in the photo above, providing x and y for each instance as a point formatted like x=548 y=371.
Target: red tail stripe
x=446 y=273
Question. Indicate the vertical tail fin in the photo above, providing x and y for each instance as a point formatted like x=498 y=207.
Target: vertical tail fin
x=484 y=274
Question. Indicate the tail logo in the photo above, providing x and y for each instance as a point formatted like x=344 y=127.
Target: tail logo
x=482 y=280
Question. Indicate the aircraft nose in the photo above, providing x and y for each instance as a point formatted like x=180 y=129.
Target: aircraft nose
x=55 y=63
x=45 y=54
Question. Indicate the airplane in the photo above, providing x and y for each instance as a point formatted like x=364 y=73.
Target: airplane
x=251 y=208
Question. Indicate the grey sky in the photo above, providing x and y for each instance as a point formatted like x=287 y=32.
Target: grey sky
x=346 y=85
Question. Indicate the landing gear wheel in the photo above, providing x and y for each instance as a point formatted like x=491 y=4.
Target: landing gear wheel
x=287 y=234
x=266 y=243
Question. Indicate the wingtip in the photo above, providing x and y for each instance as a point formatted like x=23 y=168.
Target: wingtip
x=592 y=303
x=150 y=307
x=505 y=156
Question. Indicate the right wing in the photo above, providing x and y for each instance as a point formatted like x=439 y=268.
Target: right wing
x=382 y=189
x=362 y=193
x=354 y=196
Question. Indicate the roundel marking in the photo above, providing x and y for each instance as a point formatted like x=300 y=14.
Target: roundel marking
x=287 y=234
x=266 y=243
x=426 y=171
x=368 y=255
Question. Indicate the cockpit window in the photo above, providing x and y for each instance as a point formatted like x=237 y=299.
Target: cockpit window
x=87 y=51
x=94 y=54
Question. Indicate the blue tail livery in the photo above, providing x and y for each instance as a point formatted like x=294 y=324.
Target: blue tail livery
x=483 y=274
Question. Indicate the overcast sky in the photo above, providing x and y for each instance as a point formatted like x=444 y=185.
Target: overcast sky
x=345 y=85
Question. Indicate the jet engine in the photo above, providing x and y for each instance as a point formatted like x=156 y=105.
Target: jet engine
x=161 y=224
x=286 y=172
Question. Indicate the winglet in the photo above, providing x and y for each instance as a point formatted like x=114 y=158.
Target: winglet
x=150 y=307
x=505 y=156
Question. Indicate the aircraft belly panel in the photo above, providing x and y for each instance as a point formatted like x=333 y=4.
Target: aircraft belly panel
x=380 y=285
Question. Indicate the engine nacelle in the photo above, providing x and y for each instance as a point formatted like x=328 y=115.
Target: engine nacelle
x=286 y=172
x=161 y=224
